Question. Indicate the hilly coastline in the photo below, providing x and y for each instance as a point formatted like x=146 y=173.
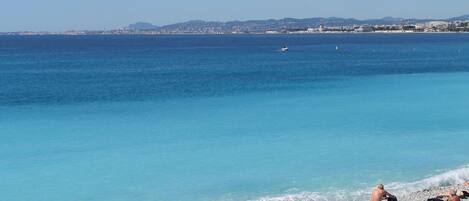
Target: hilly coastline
x=276 y=24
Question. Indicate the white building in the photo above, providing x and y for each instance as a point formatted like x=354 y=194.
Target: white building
x=438 y=24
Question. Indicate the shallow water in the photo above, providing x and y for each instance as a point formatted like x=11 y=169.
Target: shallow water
x=229 y=117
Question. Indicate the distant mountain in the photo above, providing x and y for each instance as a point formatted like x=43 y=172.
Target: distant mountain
x=200 y=26
x=462 y=18
x=142 y=26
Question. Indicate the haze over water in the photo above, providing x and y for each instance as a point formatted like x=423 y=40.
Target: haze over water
x=230 y=117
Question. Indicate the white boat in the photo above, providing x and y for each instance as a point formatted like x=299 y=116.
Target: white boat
x=284 y=49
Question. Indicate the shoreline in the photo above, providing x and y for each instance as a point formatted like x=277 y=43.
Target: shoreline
x=431 y=192
x=212 y=34
x=364 y=195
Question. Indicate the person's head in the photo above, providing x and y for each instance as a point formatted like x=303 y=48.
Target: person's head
x=380 y=186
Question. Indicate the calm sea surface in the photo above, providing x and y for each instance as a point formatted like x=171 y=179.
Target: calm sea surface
x=202 y=118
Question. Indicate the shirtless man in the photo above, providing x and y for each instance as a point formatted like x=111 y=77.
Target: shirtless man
x=380 y=194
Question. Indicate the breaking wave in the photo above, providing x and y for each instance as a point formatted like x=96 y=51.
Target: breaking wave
x=448 y=178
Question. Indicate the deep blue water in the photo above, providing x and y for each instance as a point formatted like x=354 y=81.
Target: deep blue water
x=152 y=118
x=71 y=69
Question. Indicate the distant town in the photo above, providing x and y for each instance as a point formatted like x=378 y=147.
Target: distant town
x=282 y=26
x=432 y=26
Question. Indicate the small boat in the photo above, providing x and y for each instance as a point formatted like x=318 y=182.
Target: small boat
x=284 y=49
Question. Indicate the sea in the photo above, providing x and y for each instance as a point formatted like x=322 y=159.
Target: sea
x=231 y=117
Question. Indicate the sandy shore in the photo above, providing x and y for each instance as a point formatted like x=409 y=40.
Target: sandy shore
x=430 y=193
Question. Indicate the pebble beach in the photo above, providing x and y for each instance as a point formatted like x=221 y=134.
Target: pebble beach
x=431 y=193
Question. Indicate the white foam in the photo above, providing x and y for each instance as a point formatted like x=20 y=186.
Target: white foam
x=448 y=178
x=316 y=196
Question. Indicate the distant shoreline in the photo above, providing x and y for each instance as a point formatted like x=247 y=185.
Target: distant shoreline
x=215 y=34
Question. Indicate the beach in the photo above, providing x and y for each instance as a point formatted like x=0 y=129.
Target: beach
x=432 y=193
x=421 y=195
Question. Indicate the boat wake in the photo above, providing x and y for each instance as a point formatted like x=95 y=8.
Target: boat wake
x=448 y=178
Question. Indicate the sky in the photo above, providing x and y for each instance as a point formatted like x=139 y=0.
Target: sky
x=61 y=15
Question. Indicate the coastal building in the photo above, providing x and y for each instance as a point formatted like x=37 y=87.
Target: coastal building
x=272 y=32
x=364 y=28
x=321 y=28
x=437 y=26
x=311 y=30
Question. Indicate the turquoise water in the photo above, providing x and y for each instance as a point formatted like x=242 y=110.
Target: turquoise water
x=142 y=118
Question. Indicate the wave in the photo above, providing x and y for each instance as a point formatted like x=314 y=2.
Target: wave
x=317 y=196
x=448 y=178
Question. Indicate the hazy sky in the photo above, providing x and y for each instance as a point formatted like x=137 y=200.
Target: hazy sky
x=36 y=15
